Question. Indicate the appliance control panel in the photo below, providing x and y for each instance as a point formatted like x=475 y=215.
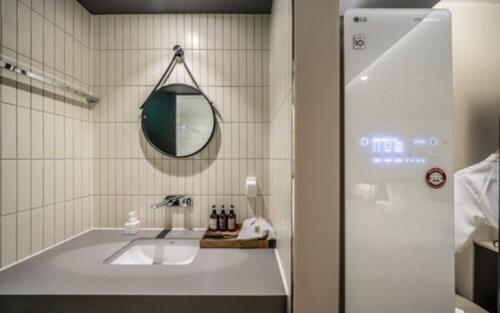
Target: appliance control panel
x=398 y=150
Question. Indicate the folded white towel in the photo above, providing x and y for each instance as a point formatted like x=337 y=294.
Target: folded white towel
x=256 y=228
x=459 y=310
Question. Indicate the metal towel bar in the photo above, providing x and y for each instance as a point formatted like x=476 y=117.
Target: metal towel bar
x=10 y=65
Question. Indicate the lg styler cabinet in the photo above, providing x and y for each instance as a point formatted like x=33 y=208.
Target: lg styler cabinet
x=398 y=161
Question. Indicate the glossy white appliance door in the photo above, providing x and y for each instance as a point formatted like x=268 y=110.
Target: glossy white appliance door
x=398 y=150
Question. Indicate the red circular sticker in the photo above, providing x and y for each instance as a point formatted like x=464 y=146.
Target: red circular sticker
x=435 y=178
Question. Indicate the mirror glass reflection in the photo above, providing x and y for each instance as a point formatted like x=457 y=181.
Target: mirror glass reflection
x=178 y=120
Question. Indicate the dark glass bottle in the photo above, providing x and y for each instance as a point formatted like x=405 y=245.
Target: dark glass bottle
x=222 y=220
x=214 y=220
x=231 y=219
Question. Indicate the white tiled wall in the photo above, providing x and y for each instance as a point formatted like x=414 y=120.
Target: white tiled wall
x=229 y=56
x=46 y=162
x=67 y=166
x=280 y=154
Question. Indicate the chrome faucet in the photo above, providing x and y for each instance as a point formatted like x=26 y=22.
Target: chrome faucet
x=177 y=201
x=170 y=201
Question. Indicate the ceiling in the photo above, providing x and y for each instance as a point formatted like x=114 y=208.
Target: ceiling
x=177 y=6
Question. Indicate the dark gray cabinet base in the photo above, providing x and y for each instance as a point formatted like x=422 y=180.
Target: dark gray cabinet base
x=143 y=304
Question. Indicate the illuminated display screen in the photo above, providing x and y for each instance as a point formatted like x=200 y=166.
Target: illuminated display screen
x=393 y=150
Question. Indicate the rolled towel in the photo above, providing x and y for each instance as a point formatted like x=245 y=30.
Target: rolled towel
x=256 y=228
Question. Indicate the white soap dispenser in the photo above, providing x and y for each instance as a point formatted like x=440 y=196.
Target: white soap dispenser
x=131 y=227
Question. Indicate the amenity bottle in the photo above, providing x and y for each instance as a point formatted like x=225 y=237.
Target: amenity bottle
x=214 y=220
x=231 y=219
x=222 y=220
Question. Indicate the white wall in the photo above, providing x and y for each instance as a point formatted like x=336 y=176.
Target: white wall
x=45 y=136
x=476 y=75
x=229 y=56
x=280 y=150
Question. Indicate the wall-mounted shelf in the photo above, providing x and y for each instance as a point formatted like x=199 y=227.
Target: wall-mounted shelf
x=10 y=65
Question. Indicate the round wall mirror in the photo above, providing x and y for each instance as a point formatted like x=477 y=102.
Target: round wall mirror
x=178 y=120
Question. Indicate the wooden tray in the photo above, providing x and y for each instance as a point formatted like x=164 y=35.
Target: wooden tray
x=227 y=239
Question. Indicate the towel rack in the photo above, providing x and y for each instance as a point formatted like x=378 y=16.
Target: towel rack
x=10 y=65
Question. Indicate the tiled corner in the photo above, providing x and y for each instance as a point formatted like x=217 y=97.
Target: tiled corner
x=42 y=127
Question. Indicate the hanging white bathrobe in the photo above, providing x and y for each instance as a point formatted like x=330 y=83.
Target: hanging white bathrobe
x=476 y=200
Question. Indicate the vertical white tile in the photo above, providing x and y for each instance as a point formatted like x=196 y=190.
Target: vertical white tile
x=227 y=177
x=134 y=29
x=86 y=213
x=68 y=16
x=258 y=68
x=77 y=22
x=59 y=136
x=250 y=35
x=188 y=32
x=226 y=29
x=48 y=225
x=23 y=234
x=8 y=239
x=68 y=138
x=68 y=179
x=59 y=180
x=48 y=43
x=9 y=25
x=210 y=43
x=37 y=41
x=141 y=31
x=48 y=182
x=36 y=230
x=258 y=31
x=242 y=31
x=111 y=31
x=77 y=227
x=36 y=134
x=195 y=31
x=59 y=222
x=59 y=49
x=77 y=61
x=8 y=131
x=219 y=31
x=36 y=183
x=9 y=189
x=23 y=185
x=48 y=136
x=119 y=32
x=24 y=29
x=203 y=31
x=49 y=12
x=149 y=32
x=69 y=219
x=59 y=13
x=68 y=55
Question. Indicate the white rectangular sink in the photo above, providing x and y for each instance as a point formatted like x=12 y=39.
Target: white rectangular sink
x=156 y=252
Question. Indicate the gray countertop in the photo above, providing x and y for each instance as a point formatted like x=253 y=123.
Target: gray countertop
x=76 y=268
